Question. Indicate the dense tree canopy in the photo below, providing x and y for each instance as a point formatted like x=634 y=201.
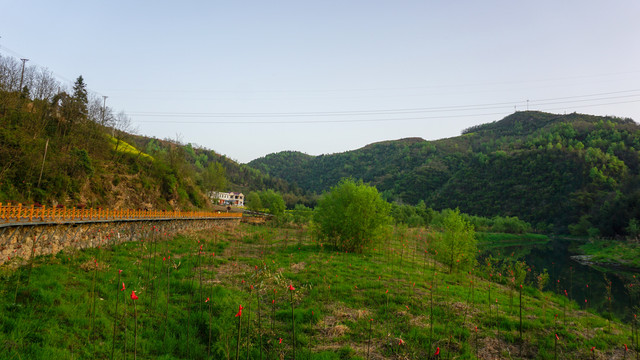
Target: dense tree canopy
x=549 y=170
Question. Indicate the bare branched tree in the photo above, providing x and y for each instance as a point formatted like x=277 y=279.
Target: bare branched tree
x=122 y=127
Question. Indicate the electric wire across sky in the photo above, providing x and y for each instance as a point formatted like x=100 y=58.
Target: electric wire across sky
x=630 y=97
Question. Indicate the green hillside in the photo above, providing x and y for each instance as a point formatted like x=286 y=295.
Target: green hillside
x=62 y=147
x=551 y=170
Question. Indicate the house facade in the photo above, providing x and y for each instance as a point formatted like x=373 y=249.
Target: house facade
x=227 y=198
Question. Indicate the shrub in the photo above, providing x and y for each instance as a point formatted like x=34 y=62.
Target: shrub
x=351 y=215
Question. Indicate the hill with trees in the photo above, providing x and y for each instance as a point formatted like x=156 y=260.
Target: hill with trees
x=62 y=146
x=563 y=173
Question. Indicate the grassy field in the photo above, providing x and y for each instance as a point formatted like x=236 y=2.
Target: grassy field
x=392 y=301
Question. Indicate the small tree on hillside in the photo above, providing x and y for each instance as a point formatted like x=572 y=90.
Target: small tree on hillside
x=253 y=202
x=272 y=202
x=351 y=215
x=214 y=177
x=458 y=242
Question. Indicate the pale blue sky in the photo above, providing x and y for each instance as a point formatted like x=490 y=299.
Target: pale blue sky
x=247 y=78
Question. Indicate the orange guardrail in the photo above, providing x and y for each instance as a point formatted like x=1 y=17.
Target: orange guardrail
x=41 y=213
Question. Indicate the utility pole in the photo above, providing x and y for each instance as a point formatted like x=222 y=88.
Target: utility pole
x=46 y=146
x=104 y=108
x=22 y=75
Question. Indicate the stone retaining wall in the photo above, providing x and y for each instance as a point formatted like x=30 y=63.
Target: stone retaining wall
x=18 y=241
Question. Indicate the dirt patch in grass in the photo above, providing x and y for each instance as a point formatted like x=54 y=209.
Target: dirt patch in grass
x=341 y=313
x=331 y=326
x=419 y=321
x=298 y=267
x=226 y=271
x=90 y=265
x=496 y=348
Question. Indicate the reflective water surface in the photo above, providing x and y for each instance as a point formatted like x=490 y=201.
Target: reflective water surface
x=582 y=282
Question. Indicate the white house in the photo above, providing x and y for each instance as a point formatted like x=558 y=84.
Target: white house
x=227 y=198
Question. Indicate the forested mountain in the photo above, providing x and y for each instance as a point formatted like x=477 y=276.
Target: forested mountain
x=64 y=147
x=562 y=173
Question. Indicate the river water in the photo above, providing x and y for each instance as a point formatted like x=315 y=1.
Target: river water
x=582 y=282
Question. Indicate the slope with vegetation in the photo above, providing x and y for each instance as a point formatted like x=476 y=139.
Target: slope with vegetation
x=64 y=147
x=562 y=173
x=407 y=297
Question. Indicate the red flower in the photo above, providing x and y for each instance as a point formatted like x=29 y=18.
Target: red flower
x=625 y=347
x=401 y=342
x=593 y=348
x=437 y=352
x=291 y=288
x=122 y=287
x=557 y=337
x=239 y=314
x=207 y=300
x=280 y=341
x=133 y=295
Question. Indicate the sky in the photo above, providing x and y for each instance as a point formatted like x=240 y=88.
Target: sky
x=249 y=78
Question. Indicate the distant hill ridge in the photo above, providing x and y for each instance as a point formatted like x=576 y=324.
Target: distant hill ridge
x=552 y=170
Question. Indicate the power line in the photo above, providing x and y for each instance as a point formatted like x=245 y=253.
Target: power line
x=60 y=77
x=314 y=121
x=440 y=109
x=297 y=91
x=254 y=122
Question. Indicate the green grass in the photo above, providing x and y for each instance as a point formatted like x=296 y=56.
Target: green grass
x=613 y=252
x=337 y=294
x=502 y=239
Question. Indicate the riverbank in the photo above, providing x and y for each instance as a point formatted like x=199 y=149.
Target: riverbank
x=610 y=253
x=486 y=239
